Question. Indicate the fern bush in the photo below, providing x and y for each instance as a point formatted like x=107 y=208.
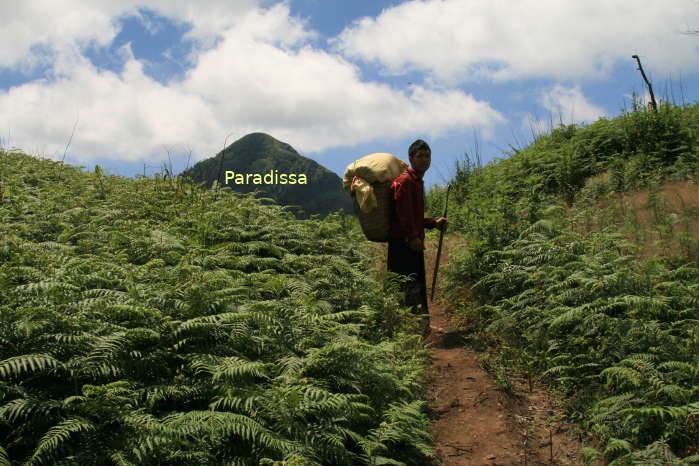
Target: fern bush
x=589 y=317
x=566 y=297
x=151 y=321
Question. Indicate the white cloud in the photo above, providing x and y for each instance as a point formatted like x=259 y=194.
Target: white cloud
x=565 y=105
x=263 y=75
x=127 y=115
x=28 y=26
x=55 y=23
x=458 y=40
x=570 y=104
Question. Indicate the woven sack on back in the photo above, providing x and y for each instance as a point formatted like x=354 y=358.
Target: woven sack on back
x=373 y=206
x=377 y=222
x=374 y=168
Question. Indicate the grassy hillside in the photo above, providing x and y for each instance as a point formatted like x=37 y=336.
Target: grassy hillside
x=582 y=264
x=150 y=322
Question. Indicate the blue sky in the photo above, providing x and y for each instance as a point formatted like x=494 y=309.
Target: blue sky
x=144 y=82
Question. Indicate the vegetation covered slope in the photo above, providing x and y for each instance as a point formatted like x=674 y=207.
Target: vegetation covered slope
x=260 y=153
x=152 y=322
x=567 y=298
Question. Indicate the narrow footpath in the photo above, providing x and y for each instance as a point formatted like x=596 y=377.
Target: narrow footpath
x=476 y=421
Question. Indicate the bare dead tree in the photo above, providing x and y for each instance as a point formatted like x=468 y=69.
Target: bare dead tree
x=650 y=87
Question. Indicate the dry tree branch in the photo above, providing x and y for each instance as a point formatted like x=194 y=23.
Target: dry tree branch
x=70 y=139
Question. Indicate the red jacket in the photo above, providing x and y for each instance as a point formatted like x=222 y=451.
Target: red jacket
x=408 y=220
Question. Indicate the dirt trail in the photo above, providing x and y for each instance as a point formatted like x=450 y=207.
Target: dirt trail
x=476 y=422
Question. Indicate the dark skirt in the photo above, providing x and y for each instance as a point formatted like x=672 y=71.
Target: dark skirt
x=405 y=261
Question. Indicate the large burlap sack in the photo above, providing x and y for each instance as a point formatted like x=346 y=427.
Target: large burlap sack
x=369 y=182
x=374 y=168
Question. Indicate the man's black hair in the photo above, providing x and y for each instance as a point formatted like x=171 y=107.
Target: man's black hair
x=418 y=146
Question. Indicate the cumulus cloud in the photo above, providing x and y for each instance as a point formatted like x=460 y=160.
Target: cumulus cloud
x=570 y=104
x=33 y=26
x=262 y=75
x=564 y=105
x=127 y=115
x=459 y=40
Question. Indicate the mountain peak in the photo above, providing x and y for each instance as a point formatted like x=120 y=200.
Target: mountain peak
x=256 y=144
x=261 y=154
x=257 y=136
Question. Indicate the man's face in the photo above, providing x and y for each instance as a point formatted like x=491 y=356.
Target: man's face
x=421 y=161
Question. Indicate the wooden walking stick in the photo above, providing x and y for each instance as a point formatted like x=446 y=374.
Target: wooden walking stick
x=439 y=248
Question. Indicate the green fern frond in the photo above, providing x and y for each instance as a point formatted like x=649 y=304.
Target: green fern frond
x=236 y=404
x=558 y=370
x=682 y=367
x=299 y=288
x=222 y=423
x=119 y=296
x=19 y=408
x=232 y=368
x=56 y=436
x=248 y=461
x=568 y=317
x=657 y=453
x=55 y=246
x=622 y=376
x=291 y=365
x=108 y=345
x=27 y=363
x=642 y=362
x=4 y=457
x=120 y=459
x=674 y=392
x=211 y=321
x=149 y=444
x=618 y=400
x=93 y=367
x=82 y=338
x=347 y=315
x=160 y=393
x=589 y=455
x=48 y=287
x=658 y=412
x=616 y=447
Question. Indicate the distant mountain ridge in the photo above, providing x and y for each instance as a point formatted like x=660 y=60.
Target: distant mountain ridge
x=259 y=162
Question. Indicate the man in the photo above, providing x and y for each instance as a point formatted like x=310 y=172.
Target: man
x=407 y=233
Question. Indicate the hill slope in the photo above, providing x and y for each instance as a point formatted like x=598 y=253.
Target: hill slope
x=259 y=153
x=581 y=272
x=150 y=321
